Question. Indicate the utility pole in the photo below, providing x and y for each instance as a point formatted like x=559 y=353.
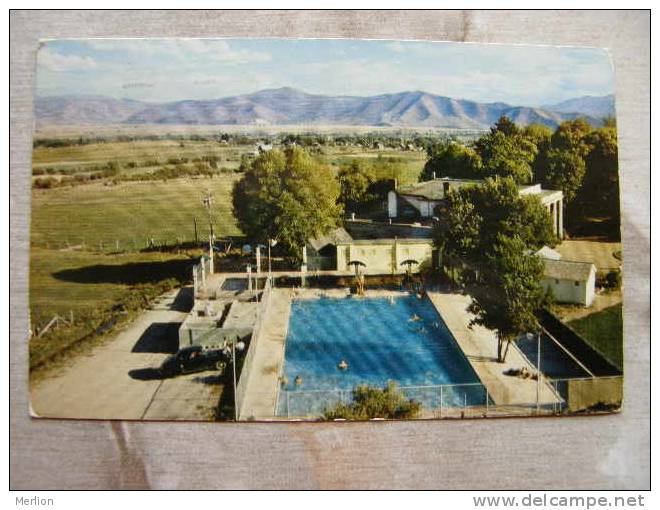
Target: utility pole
x=208 y=203
x=196 y=239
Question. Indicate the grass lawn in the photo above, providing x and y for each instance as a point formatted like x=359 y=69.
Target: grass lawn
x=99 y=215
x=80 y=281
x=387 y=163
x=604 y=331
x=79 y=156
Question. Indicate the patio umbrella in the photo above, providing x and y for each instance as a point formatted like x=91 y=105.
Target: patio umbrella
x=357 y=263
x=409 y=263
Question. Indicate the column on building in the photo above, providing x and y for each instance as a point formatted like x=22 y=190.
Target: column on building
x=560 y=226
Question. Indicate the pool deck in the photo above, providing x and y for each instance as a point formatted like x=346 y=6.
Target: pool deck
x=479 y=345
x=260 y=399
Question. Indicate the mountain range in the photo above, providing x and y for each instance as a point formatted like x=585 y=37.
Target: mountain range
x=288 y=106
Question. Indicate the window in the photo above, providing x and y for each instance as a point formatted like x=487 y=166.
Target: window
x=577 y=283
x=445 y=188
x=556 y=282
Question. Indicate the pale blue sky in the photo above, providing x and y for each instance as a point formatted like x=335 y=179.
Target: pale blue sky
x=176 y=69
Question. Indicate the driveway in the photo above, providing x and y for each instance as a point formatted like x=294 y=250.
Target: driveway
x=117 y=380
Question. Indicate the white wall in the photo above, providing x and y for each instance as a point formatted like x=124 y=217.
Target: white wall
x=425 y=207
x=391 y=204
x=383 y=258
x=565 y=291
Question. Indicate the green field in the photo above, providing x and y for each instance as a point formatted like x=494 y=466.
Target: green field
x=98 y=216
x=80 y=156
x=405 y=166
x=604 y=331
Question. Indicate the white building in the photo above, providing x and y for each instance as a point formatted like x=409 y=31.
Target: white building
x=382 y=248
x=570 y=282
x=421 y=199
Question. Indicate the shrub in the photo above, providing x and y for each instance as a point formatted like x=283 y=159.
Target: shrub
x=613 y=279
x=44 y=182
x=372 y=402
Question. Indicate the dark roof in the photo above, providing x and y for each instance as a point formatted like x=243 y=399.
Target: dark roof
x=370 y=230
x=359 y=230
x=338 y=235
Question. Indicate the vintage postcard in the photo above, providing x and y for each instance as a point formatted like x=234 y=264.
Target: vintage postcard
x=272 y=229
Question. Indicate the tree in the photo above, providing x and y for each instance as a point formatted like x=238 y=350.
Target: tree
x=600 y=190
x=451 y=159
x=505 y=126
x=537 y=133
x=571 y=136
x=354 y=182
x=372 y=402
x=286 y=196
x=488 y=229
x=474 y=217
x=507 y=155
x=562 y=169
x=510 y=292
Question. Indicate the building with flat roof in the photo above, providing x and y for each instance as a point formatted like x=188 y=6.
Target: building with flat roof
x=421 y=199
x=383 y=248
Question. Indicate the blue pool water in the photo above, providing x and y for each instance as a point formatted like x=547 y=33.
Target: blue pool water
x=380 y=342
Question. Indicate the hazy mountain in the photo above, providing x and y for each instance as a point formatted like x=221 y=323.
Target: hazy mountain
x=78 y=110
x=593 y=106
x=290 y=106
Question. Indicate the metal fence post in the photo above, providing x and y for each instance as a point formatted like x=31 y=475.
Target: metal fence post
x=486 y=400
x=287 y=404
x=441 y=401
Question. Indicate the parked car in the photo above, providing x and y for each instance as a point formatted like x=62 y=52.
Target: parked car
x=194 y=359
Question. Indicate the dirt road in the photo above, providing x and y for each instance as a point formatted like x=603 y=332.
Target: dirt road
x=117 y=379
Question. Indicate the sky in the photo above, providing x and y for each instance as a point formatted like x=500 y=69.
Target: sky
x=161 y=70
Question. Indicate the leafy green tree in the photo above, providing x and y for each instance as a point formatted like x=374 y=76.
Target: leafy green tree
x=286 y=196
x=609 y=122
x=507 y=156
x=488 y=229
x=564 y=170
x=537 y=133
x=505 y=126
x=372 y=402
x=571 y=136
x=510 y=292
x=599 y=194
x=474 y=216
x=355 y=180
x=451 y=159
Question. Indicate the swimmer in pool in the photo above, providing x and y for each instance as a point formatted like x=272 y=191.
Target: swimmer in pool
x=415 y=318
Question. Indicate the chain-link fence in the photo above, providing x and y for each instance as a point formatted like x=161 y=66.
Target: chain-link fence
x=555 y=396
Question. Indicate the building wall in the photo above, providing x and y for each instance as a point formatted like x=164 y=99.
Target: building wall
x=566 y=291
x=383 y=258
x=425 y=207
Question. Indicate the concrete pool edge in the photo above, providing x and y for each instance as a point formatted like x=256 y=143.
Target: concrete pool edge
x=479 y=346
x=476 y=344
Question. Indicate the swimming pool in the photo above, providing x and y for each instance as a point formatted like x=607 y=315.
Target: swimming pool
x=402 y=339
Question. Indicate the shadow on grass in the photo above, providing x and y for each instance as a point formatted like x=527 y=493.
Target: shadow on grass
x=159 y=338
x=133 y=273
